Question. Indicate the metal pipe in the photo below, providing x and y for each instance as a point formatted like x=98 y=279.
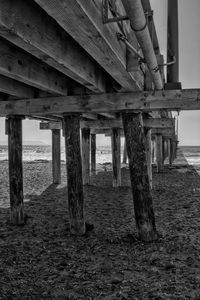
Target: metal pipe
x=138 y=21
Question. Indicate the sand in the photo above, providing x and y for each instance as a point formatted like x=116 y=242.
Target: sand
x=42 y=261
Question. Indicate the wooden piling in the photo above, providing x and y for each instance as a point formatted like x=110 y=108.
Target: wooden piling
x=159 y=153
x=56 y=166
x=93 y=154
x=15 y=169
x=149 y=154
x=124 y=153
x=86 y=155
x=74 y=174
x=170 y=150
x=116 y=156
x=143 y=204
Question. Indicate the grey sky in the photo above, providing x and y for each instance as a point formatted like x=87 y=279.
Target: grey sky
x=189 y=64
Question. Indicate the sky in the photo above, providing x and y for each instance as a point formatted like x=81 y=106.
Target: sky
x=189 y=72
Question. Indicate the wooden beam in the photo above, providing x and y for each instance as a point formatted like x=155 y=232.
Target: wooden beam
x=86 y=155
x=142 y=198
x=148 y=154
x=50 y=125
x=93 y=154
x=117 y=123
x=108 y=115
x=16 y=88
x=56 y=166
x=74 y=174
x=142 y=101
x=90 y=116
x=83 y=21
x=116 y=156
x=159 y=153
x=21 y=66
x=15 y=169
x=124 y=153
x=27 y=26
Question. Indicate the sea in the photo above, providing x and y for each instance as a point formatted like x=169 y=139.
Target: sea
x=103 y=154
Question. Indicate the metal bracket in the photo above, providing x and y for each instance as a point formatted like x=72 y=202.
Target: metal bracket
x=106 y=5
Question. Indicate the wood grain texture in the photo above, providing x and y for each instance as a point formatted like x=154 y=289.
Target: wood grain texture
x=74 y=174
x=21 y=66
x=26 y=25
x=139 y=101
x=93 y=154
x=159 y=153
x=56 y=153
x=83 y=21
x=116 y=156
x=86 y=155
x=142 y=198
x=15 y=170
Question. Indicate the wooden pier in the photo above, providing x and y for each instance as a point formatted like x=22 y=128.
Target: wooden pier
x=76 y=68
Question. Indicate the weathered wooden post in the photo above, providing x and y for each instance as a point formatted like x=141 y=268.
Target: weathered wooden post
x=86 y=155
x=153 y=149
x=135 y=142
x=74 y=174
x=124 y=153
x=56 y=167
x=93 y=154
x=149 y=154
x=159 y=154
x=116 y=156
x=170 y=150
x=15 y=169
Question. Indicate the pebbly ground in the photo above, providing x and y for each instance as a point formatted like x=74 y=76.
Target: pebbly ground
x=42 y=261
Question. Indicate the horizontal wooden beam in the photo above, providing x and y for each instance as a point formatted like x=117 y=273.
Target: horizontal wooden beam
x=166 y=132
x=138 y=101
x=106 y=124
x=14 y=88
x=21 y=66
x=83 y=21
x=26 y=25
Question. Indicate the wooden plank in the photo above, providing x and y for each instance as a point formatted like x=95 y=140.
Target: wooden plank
x=142 y=198
x=86 y=155
x=50 y=125
x=158 y=124
x=159 y=153
x=56 y=164
x=145 y=101
x=151 y=123
x=16 y=88
x=116 y=156
x=15 y=169
x=90 y=116
x=21 y=66
x=93 y=154
x=26 y=25
x=108 y=115
x=83 y=21
x=74 y=174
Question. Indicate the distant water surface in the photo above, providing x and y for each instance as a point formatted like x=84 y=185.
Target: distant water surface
x=38 y=152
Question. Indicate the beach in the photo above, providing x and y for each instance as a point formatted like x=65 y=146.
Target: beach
x=41 y=260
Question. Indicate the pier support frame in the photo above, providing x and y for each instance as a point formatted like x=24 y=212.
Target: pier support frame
x=86 y=155
x=74 y=174
x=116 y=156
x=142 y=198
x=56 y=166
x=159 y=153
x=15 y=169
x=93 y=154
